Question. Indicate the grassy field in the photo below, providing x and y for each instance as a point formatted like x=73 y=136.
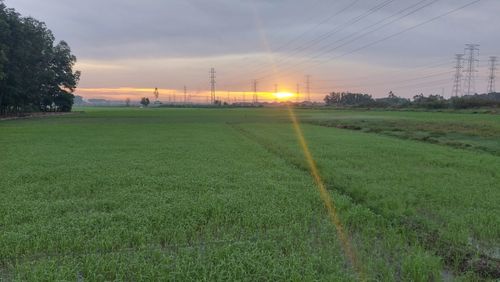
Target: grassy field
x=467 y=130
x=226 y=194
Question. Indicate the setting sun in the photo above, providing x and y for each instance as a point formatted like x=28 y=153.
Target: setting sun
x=283 y=95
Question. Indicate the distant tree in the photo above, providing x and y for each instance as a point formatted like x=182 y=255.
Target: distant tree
x=145 y=101
x=392 y=101
x=430 y=102
x=348 y=99
x=127 y=102
x=476 y=101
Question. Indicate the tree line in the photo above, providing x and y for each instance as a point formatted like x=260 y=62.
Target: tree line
x=36 y=74
x=432 y=101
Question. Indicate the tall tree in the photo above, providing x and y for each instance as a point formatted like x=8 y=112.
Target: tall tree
x=35 y=74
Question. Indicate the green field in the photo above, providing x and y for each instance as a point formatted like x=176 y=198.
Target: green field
x=226 y=194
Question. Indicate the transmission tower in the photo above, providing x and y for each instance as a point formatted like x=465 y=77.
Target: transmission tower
x=308 y=87
x=297 y=94
x=276 y=93
x=212 y=86
x=492 y=77
x=255 y=96
x=471 y=51
x=185 y=95
x=457 y=82
x=156 y=94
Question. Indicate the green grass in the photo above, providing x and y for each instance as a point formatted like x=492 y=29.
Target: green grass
x=207 y=194
x=466 y=130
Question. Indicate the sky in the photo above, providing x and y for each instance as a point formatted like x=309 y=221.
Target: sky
x=127 y=48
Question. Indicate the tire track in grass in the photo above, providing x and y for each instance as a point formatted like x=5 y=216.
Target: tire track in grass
x=459 y=259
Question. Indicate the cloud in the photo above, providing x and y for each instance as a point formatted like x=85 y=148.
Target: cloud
x=175 y=42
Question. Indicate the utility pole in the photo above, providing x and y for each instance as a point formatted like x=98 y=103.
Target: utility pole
x=471 y=51
x=457 y=81
x=297 y=94
x=212 y=85
x=255 y=96
x=492 y=77
x=308 y=87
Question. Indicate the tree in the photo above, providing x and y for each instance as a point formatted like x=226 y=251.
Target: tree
x=392 y=101
x=35 y=74
x=63 y=81
x=127 y=102
x=430 y=102
x=145 y=101
x=64 y=101
x=3 y=38
x=348 y=99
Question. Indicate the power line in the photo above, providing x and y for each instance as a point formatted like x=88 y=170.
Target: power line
x=403 y=82
x=492 y=77
x=397 y=71
x=289 y=43
x=360 y=33
x=327 y=19
x=398 y=33
x=337 y=29
x=471 y=51
x=371 y=29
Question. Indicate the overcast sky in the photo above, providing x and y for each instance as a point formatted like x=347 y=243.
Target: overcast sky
x=370 y=46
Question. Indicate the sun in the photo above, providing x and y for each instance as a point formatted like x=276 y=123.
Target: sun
x=283 y=95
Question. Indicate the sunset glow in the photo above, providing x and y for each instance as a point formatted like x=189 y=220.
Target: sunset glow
x=283 y=95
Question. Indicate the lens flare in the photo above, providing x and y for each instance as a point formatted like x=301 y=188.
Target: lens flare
x=326 y=197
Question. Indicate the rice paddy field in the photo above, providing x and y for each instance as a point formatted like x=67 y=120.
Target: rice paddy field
x=128 y=194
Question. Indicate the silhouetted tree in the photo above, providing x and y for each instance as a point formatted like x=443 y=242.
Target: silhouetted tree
x=348 y=99
x=145 y=101
x=430 y=102
x=392 y=101
x=35 y=74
